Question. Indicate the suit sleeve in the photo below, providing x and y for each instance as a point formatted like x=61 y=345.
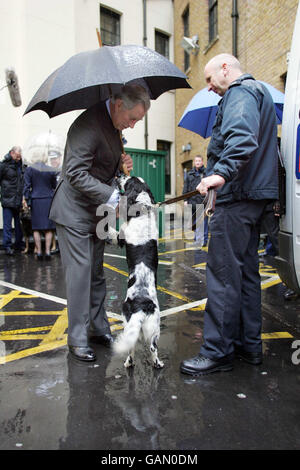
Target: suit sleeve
x=81 y=146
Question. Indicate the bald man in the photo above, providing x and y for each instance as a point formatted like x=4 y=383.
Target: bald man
x=242 y=167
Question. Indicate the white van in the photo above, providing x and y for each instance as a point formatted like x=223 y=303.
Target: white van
x=288 y=261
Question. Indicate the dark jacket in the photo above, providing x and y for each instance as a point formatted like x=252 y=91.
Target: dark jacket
x=11 y=179
x=243 y=146
x=39 y=181
x=91 y=161
x=192 y=179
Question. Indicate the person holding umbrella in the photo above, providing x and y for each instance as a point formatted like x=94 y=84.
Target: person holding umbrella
x=93 y=155
x=242 y=167
x=114 y=84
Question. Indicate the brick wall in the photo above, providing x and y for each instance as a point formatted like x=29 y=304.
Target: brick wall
x=265 y=29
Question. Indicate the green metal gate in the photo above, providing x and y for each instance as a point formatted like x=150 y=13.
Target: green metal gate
x=150 y=165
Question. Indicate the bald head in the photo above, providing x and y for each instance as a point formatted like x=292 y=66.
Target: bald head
x=221 y=71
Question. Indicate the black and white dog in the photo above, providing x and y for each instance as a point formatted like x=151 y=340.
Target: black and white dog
x=139 y=234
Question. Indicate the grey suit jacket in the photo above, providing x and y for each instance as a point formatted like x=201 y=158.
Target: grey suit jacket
x=91 y=161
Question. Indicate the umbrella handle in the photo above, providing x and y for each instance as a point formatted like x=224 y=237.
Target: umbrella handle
x=124 y=169
x=123 y=166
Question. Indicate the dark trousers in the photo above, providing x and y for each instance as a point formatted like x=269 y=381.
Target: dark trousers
x=8 y=215
x=233 y=309
x=270 y=225
x=82 y=260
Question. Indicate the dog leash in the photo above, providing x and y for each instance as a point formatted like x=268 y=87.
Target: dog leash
x=209 y=201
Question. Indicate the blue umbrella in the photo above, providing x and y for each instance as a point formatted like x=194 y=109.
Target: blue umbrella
x=200 y=113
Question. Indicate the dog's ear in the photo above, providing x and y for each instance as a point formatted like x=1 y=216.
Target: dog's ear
x=121 y=181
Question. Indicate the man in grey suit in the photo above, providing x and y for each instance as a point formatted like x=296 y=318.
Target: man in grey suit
x=92 y=158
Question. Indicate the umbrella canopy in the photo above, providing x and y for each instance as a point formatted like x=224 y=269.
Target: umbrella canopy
x=90 y=77
x=46 y=147
x=199 y=115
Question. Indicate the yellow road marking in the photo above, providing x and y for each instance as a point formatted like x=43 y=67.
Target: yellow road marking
x=199 y=266
x=31 y=313
x=159 y=288
x=22 y=334
x=6 y=298
x=7 y=337
x=116 y=327
x=112 y=268
x=193 y=248
x=264 y=270
x=276 y=335
x=26 y=330
x=36 y=350
x=63 y=342
x=270 y=282
x=56 y=337
x=58 y=329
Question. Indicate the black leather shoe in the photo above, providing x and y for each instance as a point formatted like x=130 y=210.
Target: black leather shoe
x=106 y=340
x=9 y=251
x=82 y=353
x=254 y=358
x=201 y=365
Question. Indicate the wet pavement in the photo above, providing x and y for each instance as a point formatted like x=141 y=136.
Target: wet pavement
x=50 y=401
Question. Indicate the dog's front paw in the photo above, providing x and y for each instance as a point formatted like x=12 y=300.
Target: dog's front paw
x=158 y=364
x=129 y=362
x=112 y=235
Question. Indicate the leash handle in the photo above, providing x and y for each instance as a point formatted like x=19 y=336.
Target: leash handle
x=179 y=198
x=211 y=202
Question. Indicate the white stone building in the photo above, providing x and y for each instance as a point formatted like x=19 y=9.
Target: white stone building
x=38 y=36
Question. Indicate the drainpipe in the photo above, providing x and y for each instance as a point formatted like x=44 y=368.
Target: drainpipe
x=145 y=44
x=234 y=16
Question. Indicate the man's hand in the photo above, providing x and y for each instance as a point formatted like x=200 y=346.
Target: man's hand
x=127 y=160
x=210 y=182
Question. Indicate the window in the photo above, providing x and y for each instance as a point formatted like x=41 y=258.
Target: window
x=162 y=44
x=166 y=147
x=213 y=20
x=109 y=27
x=186 y=32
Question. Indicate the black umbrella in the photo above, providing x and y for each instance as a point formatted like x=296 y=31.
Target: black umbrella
x=90 y=77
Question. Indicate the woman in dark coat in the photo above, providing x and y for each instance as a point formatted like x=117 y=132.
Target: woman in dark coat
x=39 y=185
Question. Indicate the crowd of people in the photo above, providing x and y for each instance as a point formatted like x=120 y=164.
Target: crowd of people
x=26 y=196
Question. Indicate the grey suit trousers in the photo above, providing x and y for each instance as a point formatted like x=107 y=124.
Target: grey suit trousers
x=82 y=260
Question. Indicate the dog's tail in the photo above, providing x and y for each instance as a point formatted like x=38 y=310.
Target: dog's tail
x=126 y=340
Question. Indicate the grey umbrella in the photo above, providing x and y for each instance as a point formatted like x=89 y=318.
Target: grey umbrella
x=89 y=77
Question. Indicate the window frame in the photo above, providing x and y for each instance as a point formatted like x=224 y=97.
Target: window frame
x=114 y=31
